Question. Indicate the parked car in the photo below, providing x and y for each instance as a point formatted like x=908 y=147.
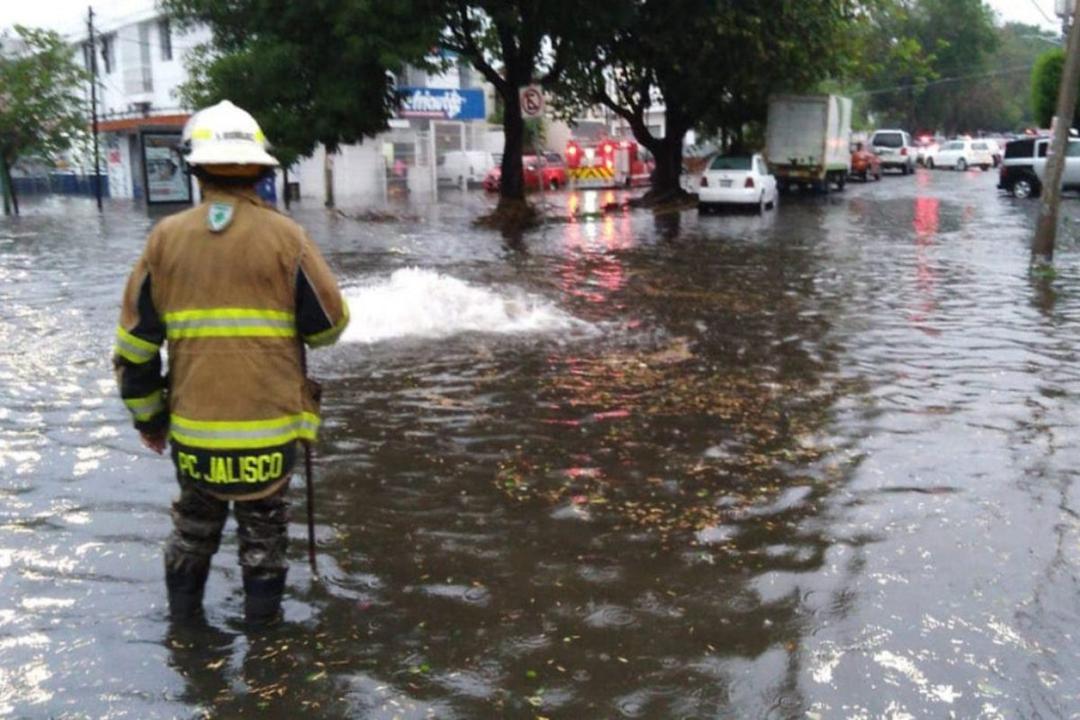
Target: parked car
x=926 y=147
x=1023 y=166
x=864 y=164
x=553 y=170
x=737 y=180
x=464 y=166
x=550 y=167
x=895 y=150
x=963 y=154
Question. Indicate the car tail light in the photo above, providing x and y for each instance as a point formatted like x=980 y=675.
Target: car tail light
x=749 y=182
x=704 y=181
x=903 y=151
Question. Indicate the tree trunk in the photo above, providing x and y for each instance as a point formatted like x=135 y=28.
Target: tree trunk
x=285 y=187
x=512 y=182
x=665 y=179
x=328 y=176
x=8 y=188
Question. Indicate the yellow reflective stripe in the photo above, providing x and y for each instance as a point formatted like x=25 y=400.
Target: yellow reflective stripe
x=144 y=408
x=229 y=313
x=134 y=348
x=233 y=331
x=229 y=322
x=233 y=435
x=330 y=335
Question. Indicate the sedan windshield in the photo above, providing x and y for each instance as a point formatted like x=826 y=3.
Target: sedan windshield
x=731 y=162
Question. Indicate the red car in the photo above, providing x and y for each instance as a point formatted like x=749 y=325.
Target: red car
x=865 y=164
x=550 y=167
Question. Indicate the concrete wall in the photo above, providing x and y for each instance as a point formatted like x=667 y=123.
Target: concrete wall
x=359 y=175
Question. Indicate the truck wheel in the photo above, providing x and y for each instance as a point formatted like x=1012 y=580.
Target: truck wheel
x=929 y=163
x=1024 y=187
x=961 y=165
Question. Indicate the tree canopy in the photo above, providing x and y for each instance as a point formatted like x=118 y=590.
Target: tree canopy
x=42 y=110
x=1045 y=82
x=711 y=64
x=309 y=75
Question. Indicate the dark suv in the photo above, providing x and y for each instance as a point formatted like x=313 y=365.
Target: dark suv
x=1024 y=165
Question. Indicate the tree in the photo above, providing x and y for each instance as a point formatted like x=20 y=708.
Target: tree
x=711 y=64
x=513 y=43
x=924 y=61
x=1045 y=81
x=41 y=101
x=308 y=75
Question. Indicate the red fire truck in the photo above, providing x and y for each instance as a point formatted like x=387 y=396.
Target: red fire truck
x=607 y=163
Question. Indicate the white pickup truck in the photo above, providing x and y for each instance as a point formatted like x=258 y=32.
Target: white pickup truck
x=1023 y=166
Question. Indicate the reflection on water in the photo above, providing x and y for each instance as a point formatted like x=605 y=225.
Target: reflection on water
x=815 y=464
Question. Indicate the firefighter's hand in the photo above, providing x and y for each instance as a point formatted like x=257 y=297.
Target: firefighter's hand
x=154 y=440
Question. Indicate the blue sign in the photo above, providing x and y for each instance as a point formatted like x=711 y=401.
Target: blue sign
x=441 y=103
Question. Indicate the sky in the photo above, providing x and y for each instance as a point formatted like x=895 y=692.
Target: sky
x=69 y=16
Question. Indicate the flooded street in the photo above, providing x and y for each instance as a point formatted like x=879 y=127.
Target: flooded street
x=819 y=464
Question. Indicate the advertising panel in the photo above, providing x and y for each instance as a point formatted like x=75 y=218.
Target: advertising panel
x=441 y=103
x=164 y=171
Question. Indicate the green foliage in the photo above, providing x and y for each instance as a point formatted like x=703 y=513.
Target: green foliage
x=929 y=65
x=711 y=63
x=310 y=73
x=1045 y=82
x=42 y=110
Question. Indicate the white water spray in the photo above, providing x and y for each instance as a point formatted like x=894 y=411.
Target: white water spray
x=423 y=303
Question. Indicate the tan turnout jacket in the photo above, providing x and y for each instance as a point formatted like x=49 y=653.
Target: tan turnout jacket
x=233 y=288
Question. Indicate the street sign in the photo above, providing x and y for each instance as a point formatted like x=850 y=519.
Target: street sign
x=441 y=103
x=532 y=101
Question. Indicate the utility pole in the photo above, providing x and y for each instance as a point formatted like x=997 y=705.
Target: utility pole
x=93 y=106
x=1042 y=248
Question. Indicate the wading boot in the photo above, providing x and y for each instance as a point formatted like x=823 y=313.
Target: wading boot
x=186 y=584
x=262 y=596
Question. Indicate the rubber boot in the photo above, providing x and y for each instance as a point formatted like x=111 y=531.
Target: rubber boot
x=262 y=596
x=186 y=584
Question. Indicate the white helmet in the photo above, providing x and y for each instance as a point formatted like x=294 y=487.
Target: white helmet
x=223 y=134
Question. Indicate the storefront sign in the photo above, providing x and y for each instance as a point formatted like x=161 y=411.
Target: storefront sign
x=164 y=171
x=441 y=103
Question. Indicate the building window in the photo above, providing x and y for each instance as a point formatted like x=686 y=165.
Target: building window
x=108 y=52
x=165 y=39
x=145 y=72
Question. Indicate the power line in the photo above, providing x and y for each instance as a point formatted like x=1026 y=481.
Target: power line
x=1043 y=12
x=943 y=81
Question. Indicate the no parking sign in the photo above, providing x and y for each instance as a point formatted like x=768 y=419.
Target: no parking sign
x=532 y=101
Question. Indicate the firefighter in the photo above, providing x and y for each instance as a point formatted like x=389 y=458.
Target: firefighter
x=235 y=290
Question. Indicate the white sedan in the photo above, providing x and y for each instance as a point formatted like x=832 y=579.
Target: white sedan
x=737 y=180
x=963 y=154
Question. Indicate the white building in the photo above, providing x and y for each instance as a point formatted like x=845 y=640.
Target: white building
x=140 y=64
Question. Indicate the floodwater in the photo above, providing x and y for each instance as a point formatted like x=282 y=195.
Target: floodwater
x=821 y=464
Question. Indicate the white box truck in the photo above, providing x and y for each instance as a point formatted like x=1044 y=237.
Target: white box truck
x=808 y=141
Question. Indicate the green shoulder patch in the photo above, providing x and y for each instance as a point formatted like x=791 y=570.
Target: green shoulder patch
x=219 y=216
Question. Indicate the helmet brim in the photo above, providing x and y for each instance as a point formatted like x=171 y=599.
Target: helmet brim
x=238 y=154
